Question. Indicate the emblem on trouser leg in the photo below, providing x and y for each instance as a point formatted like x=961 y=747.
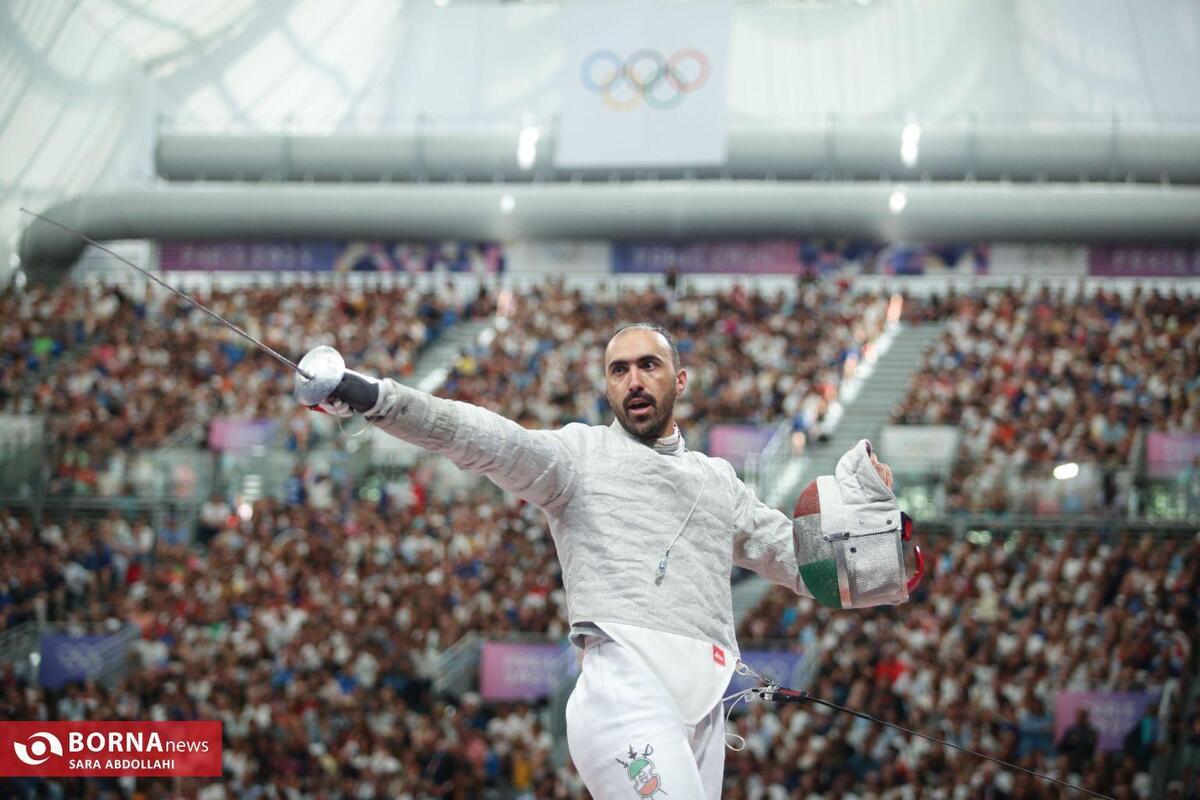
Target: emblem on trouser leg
x=641 y=772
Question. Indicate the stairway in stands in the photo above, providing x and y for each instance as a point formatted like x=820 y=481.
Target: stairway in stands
x=435 y=362
x=863 y=418
x=880 y=393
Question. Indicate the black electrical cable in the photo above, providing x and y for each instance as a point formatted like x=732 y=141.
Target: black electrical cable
x=778 y=694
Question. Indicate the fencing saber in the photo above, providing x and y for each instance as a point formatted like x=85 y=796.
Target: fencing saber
x=771 y=691
x=282 y=359
x=323 y=369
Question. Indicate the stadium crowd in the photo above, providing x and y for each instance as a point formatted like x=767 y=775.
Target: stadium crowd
x=312 y=626
x=1037 y=378
x=751 y=357
x=155 y=369
x=152 y=366
x=314 y=635
x=978 y=657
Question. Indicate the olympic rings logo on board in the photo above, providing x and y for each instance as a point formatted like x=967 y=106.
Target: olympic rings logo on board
x=80 y=658
x=662 y=82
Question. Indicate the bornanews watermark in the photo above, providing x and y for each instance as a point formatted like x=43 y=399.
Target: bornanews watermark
x=94 y=749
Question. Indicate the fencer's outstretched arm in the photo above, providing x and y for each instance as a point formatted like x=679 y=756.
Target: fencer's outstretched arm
x=537 y=466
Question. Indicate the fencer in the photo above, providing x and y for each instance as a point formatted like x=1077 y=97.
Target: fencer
x=648 y=532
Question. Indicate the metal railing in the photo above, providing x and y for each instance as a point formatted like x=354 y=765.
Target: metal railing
x=18 y=644
x=762 y=468
x=1072 y=490
x=458 y=665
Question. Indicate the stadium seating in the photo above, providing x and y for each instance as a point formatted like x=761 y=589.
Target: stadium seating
x=1039 y=377
x=978 y=658
x=312 y=626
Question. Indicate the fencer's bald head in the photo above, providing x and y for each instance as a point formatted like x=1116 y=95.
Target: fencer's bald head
x=653 y=327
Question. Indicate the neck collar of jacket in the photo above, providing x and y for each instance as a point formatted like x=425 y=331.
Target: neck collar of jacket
x=671 y=445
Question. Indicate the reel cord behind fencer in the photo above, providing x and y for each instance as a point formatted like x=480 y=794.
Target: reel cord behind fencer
x=770 y=691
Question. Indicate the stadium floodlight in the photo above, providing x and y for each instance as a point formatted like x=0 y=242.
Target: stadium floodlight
x=1064 y=472
x=897 y=200
x=910 y=144
x=507 y=203
x=527 y=143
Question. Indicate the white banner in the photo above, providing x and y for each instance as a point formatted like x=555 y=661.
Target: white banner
x=1039 y=260
x=20 y=430
x=910 y=449
x=561 y=257
x=644 y=84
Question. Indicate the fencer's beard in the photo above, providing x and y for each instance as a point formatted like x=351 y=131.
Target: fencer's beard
x=647 y=428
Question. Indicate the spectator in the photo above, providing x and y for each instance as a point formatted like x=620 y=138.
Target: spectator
x=213 y=515
x=1142 y=740
x=1079 y=741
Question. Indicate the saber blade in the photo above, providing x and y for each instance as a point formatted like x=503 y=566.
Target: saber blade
x=282 y=359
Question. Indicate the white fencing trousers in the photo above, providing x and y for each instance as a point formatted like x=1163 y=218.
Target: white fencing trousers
x=628 y=739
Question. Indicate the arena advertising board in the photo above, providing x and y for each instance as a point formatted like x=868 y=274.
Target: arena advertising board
x=1168 y=454
x=522 y=671
x=1112 y=714
x=801 y=257
x=644 y=84
x=330 y=256
x=763 y=258
x=923 y=258
x=735 y=442
x=751 y=257
x=50 y=749
x=558 y=256
x=76 y=658
x=1046 y=260
x=234 y=434
x=1144 y=262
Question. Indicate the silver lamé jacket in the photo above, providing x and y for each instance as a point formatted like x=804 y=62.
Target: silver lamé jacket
x=615 y=505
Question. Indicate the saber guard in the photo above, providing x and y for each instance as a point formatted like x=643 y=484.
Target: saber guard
x=327 y=368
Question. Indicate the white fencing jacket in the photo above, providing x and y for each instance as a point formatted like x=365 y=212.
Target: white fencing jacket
x=615 y=506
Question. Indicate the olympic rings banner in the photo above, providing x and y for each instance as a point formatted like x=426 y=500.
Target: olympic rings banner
x=644 y=84
x=645 y=77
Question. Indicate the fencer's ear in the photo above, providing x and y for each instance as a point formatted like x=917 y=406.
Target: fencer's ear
x=681 y=379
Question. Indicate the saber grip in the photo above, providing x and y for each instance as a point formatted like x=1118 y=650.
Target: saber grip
x=357 y=391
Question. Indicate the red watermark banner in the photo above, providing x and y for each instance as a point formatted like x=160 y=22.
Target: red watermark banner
x=97 y=749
